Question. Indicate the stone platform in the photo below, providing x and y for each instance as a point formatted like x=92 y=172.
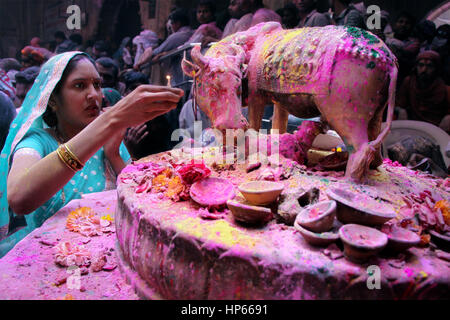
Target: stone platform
x=169 y=250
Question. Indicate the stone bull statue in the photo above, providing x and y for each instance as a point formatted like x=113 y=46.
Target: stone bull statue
x=345 y=74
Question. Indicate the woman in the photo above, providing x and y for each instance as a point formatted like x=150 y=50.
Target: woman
x=60 y=146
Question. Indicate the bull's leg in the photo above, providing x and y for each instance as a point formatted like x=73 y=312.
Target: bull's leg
x=373 y=132
x=280 y=119
x=352 y=106
x=357 y=142
x=255 y=112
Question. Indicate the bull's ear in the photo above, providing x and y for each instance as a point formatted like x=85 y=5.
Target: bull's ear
x=189 y=68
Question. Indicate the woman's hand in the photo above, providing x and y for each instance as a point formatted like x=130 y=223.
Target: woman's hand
x=135 y=135
x=111 y=147
x=133 y=138
x=144 y=104
x=159 y=55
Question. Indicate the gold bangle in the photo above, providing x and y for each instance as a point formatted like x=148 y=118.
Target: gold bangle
x=63 y=159
x=68 y=158
x=73 y=155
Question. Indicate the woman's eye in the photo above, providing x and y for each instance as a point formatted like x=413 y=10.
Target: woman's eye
x=97 y=85
x=79 y=85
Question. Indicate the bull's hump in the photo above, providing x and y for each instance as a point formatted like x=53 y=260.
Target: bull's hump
x=301 y=60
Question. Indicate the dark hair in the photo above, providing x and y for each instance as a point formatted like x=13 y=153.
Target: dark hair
x=77 y=38
x=445 y=28
x=290 y=7
x=346 y=2
x=28 y=75
x=10 y=64
x=180 y=16
x=108 y=63
x=49 y=115
x=425 y=30
x=60 y=35
x=101 y=45
x=259 y=4
x=134 y=76
x=407 y=15
x=208 y=3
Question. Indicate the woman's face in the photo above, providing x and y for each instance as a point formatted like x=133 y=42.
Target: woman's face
x=80 y=98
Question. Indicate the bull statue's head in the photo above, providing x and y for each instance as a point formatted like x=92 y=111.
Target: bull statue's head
x=218 y=86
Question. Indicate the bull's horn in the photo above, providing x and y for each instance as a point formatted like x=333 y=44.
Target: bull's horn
x=198 y=58
x=238 y=52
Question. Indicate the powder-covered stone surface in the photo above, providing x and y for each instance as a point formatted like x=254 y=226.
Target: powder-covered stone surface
x=170 y=251
x=29 y=270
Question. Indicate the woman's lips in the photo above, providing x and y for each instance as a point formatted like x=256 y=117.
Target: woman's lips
x=93 y=107
x=94 y=110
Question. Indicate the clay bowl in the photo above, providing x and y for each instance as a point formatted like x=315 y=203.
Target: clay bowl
x=357 y=208
x=249 y=214
x=361 y=242
x=400 y=239
x=261 y=192
x=441 y=240
x=319 y=239
x=318 y=217
x=212 y=192
x=336 y=161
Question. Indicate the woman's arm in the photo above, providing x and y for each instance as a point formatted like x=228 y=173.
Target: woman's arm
x=32 y=182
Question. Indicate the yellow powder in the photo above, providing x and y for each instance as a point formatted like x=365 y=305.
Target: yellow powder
x=218 y=231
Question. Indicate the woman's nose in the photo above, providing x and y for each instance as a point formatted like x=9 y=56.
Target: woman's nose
x=94 y=92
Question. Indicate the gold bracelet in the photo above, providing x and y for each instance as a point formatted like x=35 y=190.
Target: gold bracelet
x=63 y=159
x=68 y=159
x=73 y=156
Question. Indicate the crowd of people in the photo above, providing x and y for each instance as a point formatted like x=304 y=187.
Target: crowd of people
x=68 y=105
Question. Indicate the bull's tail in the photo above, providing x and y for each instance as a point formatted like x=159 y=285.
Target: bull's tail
x=368 y=151
x=391 y=105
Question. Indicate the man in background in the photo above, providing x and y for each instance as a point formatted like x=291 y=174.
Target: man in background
x=309 y=16
x=424 y=95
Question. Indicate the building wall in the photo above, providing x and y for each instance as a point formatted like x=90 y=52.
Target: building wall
x=156 y=21
x=21 y=20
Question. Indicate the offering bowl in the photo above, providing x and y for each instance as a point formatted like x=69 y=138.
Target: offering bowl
x=248 y=213
x=261 y=192
x=319 y=239
x=211 y=192
x=318 y=217
x=361 y=242
x=400 y=239
x=357 y=208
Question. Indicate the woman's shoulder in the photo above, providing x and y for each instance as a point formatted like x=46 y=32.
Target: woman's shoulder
x=39 y=133
x=39 y=139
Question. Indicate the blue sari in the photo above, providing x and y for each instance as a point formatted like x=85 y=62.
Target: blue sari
x=28 y=131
